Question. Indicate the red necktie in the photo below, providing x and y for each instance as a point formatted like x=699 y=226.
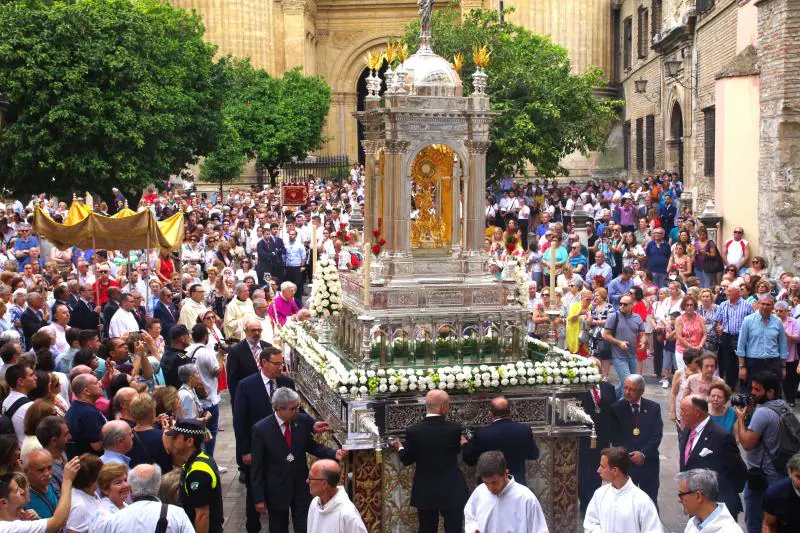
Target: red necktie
x=287 y=434
x=596 y=395
x=689 y=443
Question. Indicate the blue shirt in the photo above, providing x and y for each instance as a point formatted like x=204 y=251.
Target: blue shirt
x=295 y=255
x=657 y=257
x=44 y=504
x=85 y=424
x=758 y=340
x=574 y=261
x=20 y=245
x=616 y=289
x=731 y=316
x=700 y=525
x=112 y=457
x=598 y=270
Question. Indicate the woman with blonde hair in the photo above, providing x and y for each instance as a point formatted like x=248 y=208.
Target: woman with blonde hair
x=113 y=484
x=577 y=340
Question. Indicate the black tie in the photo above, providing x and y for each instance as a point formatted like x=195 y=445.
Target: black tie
x=635 y=408
x=270 y=388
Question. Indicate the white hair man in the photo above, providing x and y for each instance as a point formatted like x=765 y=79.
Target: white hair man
x=117 y=442
x=146 y=510
x=698 y=492
x=261 y=308
x=331 y=510
x=500 y=503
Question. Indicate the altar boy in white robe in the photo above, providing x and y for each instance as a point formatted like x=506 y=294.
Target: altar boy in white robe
x=500 y=504
x=619 y=506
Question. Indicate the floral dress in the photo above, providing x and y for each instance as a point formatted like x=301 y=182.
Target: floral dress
x=596 y=332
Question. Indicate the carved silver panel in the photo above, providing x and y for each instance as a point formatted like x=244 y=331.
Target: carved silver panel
x=402 y=299
x=444 y=298
x=487 y=297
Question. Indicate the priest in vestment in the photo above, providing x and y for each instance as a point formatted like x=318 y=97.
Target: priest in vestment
x=500 y=503
x=619 y=506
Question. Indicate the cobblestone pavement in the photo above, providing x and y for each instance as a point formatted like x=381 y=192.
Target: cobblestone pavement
x=671 y=511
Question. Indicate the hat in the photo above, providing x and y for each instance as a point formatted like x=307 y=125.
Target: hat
x=178 y=330
x=187 y=426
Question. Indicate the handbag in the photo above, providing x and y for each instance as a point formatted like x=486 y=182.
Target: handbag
x=713 y=265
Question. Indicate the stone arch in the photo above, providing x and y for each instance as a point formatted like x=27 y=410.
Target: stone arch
x=675 y=142
x=417 y=146
x=350 y=64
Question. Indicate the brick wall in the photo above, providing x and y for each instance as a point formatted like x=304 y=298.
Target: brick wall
x=715 y=46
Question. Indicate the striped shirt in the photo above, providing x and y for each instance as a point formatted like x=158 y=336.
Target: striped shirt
x=731 y=315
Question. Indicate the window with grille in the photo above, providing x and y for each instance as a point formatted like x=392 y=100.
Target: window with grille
x=627 y=42
x=626 y=144
x=650 y=142
x=643 y=34
x=655 y=22
x=640 y=144
x=709 y=146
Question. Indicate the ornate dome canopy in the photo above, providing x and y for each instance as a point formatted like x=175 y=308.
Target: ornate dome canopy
x=429 y=74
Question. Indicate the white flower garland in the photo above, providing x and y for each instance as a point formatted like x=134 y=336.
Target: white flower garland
x=569 y=370
x=326 y=290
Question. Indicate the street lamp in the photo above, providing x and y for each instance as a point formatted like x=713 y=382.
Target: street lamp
x=673 y=67
x=640 y=86
x=5 y=101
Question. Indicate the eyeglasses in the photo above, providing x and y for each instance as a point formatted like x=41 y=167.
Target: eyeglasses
x=682 y=494
x=316 y=479
x=624 y=304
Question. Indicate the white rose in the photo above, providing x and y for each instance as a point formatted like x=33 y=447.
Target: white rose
x=412 y=379
x=549 y=380
x=539 y=379
x=353 y=390
x=460 y=376
x=451 y=378
x=451 y=386
x=392 y=380
x=401 y=372
x=495 y=383
x=381 y=372
x=362 y=379
x=584 y=379
x=326 y=313
x=343 y=390
x=392 y=388
x=353 y=379
x=403 y=388
x=514 y=381
x=363 y=389
x=382 y=388
x=412 y=386
x=504 y=382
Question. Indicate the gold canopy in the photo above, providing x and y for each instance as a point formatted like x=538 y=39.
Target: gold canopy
x=126 y=230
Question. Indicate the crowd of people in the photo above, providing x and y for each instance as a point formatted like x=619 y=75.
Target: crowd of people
x=115 y=363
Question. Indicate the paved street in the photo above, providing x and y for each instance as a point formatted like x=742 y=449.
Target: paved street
x=671 y=512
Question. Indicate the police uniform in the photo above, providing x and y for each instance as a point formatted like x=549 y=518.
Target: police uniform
x=201 y=486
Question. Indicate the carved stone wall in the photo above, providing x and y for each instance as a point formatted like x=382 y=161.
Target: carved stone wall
x=779 y=195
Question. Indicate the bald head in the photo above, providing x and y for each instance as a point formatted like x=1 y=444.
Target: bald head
x=122 y=401
x=38 y=469
x=328 y=469
x=437 y=402
x=500 y=408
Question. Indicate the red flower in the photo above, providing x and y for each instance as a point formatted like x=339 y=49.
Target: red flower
x=342 y=225
x=376 y=232
x=347 y=238
x=376 y=249
x=382 y=242
x=380 y=221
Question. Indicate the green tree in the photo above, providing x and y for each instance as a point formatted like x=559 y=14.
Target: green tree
x=275 y=119
x=105 y=93
x=546 y=113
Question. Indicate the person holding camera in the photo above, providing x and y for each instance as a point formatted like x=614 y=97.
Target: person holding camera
x=760 y=440
x=209 y=369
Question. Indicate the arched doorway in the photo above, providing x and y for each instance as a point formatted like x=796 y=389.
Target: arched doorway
x=676 y=139
x=361 y=92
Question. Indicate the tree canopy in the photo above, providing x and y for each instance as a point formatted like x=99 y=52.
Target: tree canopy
x=104 y=93
x=268 y=118
x=546 y=112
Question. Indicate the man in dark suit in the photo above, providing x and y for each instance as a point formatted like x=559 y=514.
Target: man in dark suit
x=111 y=306
x=83 y=314
x=243 y=355
x=438 y=486
x=275 y=253
x=705 y=444
x=34 y=317
x=596 y=403
x=166 y=312
x=636 y=426
x=279 y=470
x=73 y=294
x=515 y=440
x=253 y=404
x=139 y=312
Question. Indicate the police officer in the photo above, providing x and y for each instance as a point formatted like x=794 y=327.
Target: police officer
x=201 y=486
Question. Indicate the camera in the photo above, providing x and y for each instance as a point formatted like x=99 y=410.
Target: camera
x=222 y=346
x=741 y=400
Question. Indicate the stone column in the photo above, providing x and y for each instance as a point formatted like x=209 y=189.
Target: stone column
x=474 y=216
x=455 y=209
x=779 y=164
x=401 y=187
x=294 y=31
x=392 y=200
x=370 y=208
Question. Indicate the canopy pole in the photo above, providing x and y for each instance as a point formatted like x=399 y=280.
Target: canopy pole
x=147 y=260
x=96 y=281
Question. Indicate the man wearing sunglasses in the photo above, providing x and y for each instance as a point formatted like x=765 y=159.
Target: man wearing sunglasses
x=736 y=251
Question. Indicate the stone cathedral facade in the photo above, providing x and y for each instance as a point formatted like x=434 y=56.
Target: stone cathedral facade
x=329 y=38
